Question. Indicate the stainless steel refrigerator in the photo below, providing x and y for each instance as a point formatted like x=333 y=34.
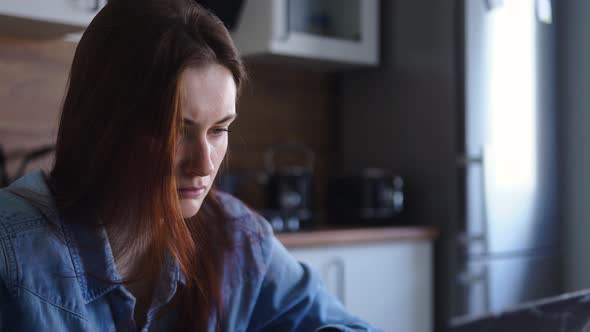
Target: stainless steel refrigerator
x=463 y=107
x=507 y=238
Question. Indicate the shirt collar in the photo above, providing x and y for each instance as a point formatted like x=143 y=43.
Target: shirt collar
x=170 y=276
x=35 y=183
x=89 y=247
x=95 y=265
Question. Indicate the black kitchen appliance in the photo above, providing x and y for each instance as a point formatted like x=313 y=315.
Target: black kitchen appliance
x=289 y=186
x=372 y=196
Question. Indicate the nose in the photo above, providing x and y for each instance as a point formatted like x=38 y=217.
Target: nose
x=199 y=161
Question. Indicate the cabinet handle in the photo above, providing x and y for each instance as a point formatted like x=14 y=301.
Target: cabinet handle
x=338 y=265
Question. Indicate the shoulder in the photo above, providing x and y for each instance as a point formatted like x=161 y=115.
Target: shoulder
x=17 y=214
x=28 y=244
x=27 y=203
x=234 y=207
x=242 y=216
x=25 y=216
x=252 y=235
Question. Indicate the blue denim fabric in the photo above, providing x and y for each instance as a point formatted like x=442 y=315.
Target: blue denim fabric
x=54 y=277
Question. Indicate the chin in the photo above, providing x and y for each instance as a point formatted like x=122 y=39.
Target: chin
x=190 y=207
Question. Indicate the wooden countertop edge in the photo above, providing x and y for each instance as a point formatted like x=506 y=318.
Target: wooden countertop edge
x=356 y=236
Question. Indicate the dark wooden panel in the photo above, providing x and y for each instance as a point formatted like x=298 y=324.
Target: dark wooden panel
x=33 y=76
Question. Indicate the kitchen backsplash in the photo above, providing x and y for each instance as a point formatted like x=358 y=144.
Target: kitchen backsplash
x=278 y=105
x=33 y=76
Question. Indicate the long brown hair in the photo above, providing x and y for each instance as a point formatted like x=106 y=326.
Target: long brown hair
x=118 y=134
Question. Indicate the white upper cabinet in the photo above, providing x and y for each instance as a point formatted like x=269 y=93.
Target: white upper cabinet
x=43 y=17
x=68 y=12
x=339 y=31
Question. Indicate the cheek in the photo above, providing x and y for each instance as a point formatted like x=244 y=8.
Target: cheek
x=218 y=154
x=179 y=155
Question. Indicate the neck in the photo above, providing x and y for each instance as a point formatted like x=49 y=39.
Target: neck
x=130 y=252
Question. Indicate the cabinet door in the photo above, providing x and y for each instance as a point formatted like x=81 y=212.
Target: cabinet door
x=388 y=285
x=339 y=30
x=66 y=12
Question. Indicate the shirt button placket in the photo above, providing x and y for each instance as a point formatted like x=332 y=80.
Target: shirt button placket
x=123 y=306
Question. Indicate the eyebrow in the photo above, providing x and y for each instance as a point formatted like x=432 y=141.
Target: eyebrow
x=230 y=117
x=225 y=119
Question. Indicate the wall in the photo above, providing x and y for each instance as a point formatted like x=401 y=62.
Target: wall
x=279 y=105
x=573 y=24
x=404 y=117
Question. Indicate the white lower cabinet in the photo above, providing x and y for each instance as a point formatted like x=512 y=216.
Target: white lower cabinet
x=387 y=284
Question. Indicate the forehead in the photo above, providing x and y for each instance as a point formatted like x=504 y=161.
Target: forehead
x=207 y=92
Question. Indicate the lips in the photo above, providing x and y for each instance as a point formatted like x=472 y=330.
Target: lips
x=192 y=192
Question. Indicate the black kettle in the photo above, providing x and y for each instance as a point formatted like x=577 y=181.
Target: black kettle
x=290 y=186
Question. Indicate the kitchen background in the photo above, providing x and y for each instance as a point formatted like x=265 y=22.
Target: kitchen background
x=368 y=91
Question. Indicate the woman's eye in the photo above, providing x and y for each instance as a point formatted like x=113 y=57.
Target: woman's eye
x=220 y=131
x=189 y=135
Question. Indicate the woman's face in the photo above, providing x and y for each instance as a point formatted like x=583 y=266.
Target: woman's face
x=208 y=99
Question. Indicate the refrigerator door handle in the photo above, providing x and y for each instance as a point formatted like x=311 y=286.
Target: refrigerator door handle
x=465 y=238
x=468 y=239
x=469 y=279
x=466 y=161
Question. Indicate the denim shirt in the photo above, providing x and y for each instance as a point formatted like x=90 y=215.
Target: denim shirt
x=46 y=283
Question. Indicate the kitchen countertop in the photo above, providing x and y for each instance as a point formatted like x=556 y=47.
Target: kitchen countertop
x=327 y=237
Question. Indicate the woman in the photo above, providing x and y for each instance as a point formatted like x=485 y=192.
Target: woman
x=126 y=233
